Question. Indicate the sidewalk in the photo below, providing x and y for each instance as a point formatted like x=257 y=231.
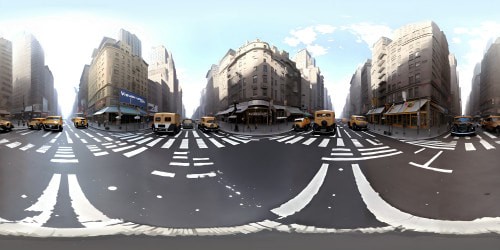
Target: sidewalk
x=259 y=129
x=127 y=127
x=407 y=133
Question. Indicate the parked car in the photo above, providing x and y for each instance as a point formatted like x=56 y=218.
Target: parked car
x=357 y=122
x=80 y=122
x=53 y=123
x=492 y=123
x=208 y=124
x=463 y=125
x=301 y=124
x=6 y=125
x=187 y=123
x=166 y=122
x=324 y=122
x=36 y=123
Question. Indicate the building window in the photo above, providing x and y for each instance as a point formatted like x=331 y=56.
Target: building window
x=254 y=92
x=264 y=67
x=255 y=68
x=417 y=78
x=264 y=78
x=264 y=92
x=254 y=79
x=411 y=80
x=244 y=82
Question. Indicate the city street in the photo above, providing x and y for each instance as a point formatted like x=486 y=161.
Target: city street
x=86 y=182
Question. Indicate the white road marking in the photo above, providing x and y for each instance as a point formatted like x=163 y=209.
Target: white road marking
x=467 y=137
x=366 y=133
x=77 y=136
x=361 y=158
x=151 y=144
x=135 y=152
x=135 y=139
x=341 y=149
x=201 y=159
x=145 y=140
x=28 y=132
x=64 y=160
x=163 y=173
x=446 y=136
x=348 y=135
x=193 y=176
x=428 y=163
x=99 y=134
x=469 y=146
x=180 y=157
x=340 y=142
x=43 y=149
x=83 y=140
x=324 y=143
x=45 y=203
x=300 y=201
x=294 y=140
x=108 y=139
x=70 y=155
x=86 y=213
x=124 y=148
x=181 y=153
x=184 y=144
x=216 y=143
x=309 y=141
x=240 y=140
x=379 y=152
x=184 y=164
x=195 y=134
x=13 y=144
x=3 y=141
x=357 y=143
x=68 y=138
x=101 y=153
x=286 y=138
x=420 y=150
x=197 y=164
x=46 y=134
x=201 y=143
x=168 y=143
x=341 y=154
x=230 y=141
x=485 y=144
x=27 y=147
x=179 y=134
x=372 y=149
x=373 y=143
x=489 y=135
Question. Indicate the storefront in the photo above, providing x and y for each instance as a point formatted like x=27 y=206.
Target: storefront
x=410 y=114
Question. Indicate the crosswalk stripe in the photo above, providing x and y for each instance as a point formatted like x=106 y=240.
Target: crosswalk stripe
x=357 y=143
x=196 y=134
x=378 y=152
x=13 y=144
x=286 y=138
x=46 y=134
x=184 y=144
x=124 y=148
x=168 y=143
x=135 y=139
x=373 y=143
x=341 y=154
x=238 y=139
x=469 y=146
x=490 y=135
x=186 y=134
x=183 y=164
x=101 y=153
x=372 y=149
x=151 y=144
x=295 y=140
x=201 y=143
x=193 y=176
x=27 y=147
x=340 y=142
x=43 y=149
x=199 y=164
x=45 y=203
x=68 y=138
x=309 y=141
x=83 y=140
x=163 y=173
x=108 y=139
x=486 y=144
x=64 y=160
x=366 y=133
x=145 y=140
x=216 y=143
x=3 y=141
x=135 y=152
x=324 y=143
x=341 y=149
x=230 y=141
x=28 y=132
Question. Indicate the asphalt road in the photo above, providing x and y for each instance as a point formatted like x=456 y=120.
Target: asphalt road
x=85 y=183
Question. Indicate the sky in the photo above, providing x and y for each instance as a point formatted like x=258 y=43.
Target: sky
x=338 y=33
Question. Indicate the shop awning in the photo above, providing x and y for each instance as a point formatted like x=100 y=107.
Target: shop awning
x=4 y=112
x=279 y=107
x=107 y=110
x=132 y=111
x=412 y=106
x=394 y=109
x=376 y=111
x=294 y=111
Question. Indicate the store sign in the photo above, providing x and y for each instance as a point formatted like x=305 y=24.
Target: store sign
x=132 y=98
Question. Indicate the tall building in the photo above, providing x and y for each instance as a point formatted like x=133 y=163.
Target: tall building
x=131 y=40
x=411 y=77
x=259 y=80
x=313 y=88
x=489 y=90
x=33 y=83
x=117 y=83
x=83 y=92
x=162 y=70
x=5 y=76
x=472 y=107
x=455 y=107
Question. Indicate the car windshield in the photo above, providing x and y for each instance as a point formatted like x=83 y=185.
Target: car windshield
x=52 y=118
x=361 y=118
x=463 y=119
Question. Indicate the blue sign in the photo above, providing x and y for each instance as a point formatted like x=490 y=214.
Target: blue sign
x=132 y=98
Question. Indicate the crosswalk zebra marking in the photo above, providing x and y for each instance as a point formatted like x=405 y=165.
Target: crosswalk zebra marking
x=169 y=143
x=324 y=143
x=357 y=143
x=201 y=143
x=27 y=147
x=13 y=144
x=135 y=152
x=340 y=142
x=151 y=144
x=124 y=148
x=294 y=140
x=216 y=143
x=184 y=144
x=230 y=141
x=469 y=147
x=309 y=141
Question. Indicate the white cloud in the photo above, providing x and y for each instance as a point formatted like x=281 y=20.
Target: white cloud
x=306 y=35
x=368 y=32
x=292 y=41
x=317 y=50
x=456 y=40
x=325 y=29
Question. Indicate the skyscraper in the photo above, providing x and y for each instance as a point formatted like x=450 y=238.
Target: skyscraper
x=489 y=90
x=5 y=76
x=132 y=40
x=32 y=88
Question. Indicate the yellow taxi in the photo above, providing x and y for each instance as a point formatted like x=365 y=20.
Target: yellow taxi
x=208 y=123
x=54 y=122
x=301 y=124
x=357 y=122
x=80 y=122
x=166 y=122
x=492 y=123
x=36 y=123
x=324 y=122
x=5 y=125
